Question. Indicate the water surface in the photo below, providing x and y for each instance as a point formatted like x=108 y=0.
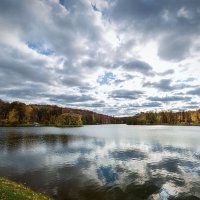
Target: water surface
x=104 y=161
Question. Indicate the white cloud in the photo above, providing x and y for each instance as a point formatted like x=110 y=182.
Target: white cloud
x=56 y=49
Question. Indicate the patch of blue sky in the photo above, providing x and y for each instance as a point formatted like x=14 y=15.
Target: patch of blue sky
x=107 y=174
x=106 y=78
x=40 y=48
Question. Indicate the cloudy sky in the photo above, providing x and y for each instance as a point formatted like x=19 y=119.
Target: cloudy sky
x=117 y=57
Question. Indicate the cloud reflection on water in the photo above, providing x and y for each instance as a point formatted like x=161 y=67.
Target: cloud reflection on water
x=101 y=166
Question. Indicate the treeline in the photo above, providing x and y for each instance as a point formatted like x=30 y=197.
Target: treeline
x=165 y=117
x=18 y=113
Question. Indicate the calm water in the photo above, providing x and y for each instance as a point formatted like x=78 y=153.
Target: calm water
x=104 y=162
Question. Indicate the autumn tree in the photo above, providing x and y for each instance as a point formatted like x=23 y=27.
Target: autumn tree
x=68 y=119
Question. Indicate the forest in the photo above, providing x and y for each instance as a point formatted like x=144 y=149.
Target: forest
x=165 y=117
x=20 y=114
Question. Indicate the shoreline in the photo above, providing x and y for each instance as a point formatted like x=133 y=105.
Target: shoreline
x=72 y=126
x=42 y=125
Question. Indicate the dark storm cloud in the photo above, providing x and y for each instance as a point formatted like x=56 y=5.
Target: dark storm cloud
x=125 y=94
x=173 y=23
x=169 y=98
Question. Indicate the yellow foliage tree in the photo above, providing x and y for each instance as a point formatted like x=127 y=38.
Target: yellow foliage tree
x=68 y=119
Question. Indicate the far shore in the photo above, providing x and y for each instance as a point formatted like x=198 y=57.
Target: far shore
x=41 y=125
x=72 y=126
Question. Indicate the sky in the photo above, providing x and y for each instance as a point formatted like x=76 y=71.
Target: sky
x=117 y=57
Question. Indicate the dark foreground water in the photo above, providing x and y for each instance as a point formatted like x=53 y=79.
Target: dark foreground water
x=104 y=162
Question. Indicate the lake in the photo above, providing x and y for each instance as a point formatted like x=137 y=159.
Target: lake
x=104 y=162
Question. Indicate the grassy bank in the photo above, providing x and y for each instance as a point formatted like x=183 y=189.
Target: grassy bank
x=10 y=190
